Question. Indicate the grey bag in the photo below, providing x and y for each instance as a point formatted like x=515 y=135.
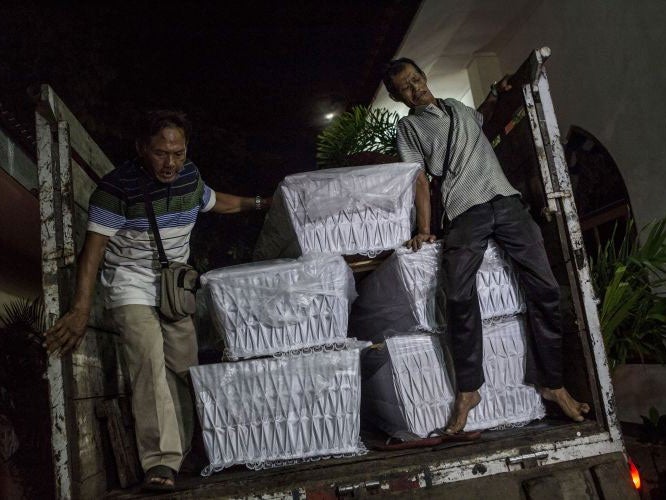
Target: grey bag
x=179 y=283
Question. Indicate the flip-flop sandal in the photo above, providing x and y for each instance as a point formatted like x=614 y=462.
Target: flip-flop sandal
x=156 y=479
x=436 y=438
x=406 y=445
x=457 y=437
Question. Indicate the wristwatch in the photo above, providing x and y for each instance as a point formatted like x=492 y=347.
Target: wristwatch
x=257 y=202
x=493 y=89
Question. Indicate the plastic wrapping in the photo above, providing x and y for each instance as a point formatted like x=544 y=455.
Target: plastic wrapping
x=351 y=210
x=497 y=285
x=406 y=389
x=207 y=337
x=505 y=399
x=280 y=305
x=404 y=292
x=265 y=410
x=401 y=295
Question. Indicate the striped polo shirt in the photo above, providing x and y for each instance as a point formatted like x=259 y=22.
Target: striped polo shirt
x=131 y=269
x=475 y=175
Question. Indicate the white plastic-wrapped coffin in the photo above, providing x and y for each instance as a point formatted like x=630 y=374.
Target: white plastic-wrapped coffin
x=402 y=294
x=265 y=410
x=406 y=390
x=351 y=210
x=497 y=285
x=505 y=399
x=280 y=305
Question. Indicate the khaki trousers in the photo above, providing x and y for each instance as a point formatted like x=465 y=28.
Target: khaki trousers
x=158 y=354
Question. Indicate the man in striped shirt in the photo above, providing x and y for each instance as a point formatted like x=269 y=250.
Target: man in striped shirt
x=478 y=203
x=158 y=353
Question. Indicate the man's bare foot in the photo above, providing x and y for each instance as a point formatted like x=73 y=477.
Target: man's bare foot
x=465 y=401
x=571 y=408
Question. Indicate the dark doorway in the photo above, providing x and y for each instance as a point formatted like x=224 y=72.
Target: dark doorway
x=600 y=193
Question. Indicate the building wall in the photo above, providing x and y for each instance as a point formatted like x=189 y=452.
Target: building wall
x=607 y=76
x=20 y=246
x=606 y=71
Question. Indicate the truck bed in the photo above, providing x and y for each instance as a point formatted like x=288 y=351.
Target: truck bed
x=534 y=461
x=402 y=467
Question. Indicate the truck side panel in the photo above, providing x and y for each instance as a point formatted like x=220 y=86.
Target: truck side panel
x=69 y=164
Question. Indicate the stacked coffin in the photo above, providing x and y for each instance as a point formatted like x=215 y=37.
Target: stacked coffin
x=354 y=210
x=301 y=404
x=505 y=399
x=307 y=403
x=270 y=410
x=280 y=305
x=406 y=390
x=402 y=295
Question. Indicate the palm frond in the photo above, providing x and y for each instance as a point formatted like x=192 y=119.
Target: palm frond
x=359 y=130
x=27 y=316
x=629 y=279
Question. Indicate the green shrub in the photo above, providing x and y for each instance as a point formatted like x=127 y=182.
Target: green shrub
x=630 y=282
x=360 y=130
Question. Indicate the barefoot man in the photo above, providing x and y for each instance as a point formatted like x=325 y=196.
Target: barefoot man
x=477 y=202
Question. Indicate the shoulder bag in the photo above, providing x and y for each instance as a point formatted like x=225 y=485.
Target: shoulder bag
x=178 y=282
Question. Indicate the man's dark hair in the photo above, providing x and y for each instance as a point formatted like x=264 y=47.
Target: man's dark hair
x=153 y=121
x=393 y=68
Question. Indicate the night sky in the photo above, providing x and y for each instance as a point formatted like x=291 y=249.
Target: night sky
x=256 y=78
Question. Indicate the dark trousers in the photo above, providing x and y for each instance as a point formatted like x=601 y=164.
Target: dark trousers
x=508 y=222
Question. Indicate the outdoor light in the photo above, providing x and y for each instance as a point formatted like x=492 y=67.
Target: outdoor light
x=329 y=116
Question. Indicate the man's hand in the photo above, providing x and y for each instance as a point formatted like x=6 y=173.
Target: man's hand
x=487 y=107
x=417 y=241
x=67 y=333
x=266 y=202
x=503 y=85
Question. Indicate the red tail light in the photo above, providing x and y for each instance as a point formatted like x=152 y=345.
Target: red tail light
x=635 y=476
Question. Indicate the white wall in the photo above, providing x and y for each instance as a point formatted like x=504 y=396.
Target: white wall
x=607 y=74
x=443 y=39
x=607 y=71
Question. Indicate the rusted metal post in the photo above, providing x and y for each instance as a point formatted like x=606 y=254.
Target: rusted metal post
x=555 y=173
x=66 y=193
x=48 y=169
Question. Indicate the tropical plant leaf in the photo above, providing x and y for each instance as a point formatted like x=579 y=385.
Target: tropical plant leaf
x=632 y=313
x=359 y=130
x=25 y=315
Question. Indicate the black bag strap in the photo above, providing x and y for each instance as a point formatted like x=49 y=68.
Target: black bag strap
x=447 y=157
x=436 y=181
x=449 y=139
x=153 y=224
